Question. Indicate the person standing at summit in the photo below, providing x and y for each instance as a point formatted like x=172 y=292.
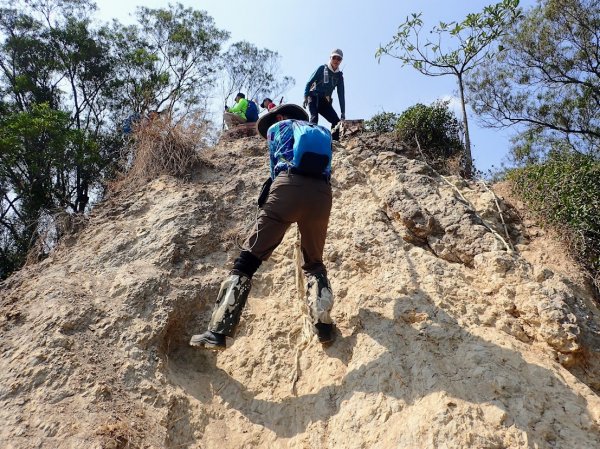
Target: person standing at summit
x=319 y=89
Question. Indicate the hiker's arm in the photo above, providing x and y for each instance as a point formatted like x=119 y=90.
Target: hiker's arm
x=312 y=79
x=340 y=91
x=272 y=158
x=240 y=106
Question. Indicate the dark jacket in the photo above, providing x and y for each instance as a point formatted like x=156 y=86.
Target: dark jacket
x=323 y=82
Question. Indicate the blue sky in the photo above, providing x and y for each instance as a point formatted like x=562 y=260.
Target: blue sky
x=305 y=32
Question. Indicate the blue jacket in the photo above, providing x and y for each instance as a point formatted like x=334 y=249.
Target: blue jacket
x=317 y=86
x=280 y=137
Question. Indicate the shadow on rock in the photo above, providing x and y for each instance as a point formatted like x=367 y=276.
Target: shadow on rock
x=426 y=351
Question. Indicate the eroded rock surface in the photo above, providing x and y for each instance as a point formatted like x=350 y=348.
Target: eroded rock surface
x=446 y=336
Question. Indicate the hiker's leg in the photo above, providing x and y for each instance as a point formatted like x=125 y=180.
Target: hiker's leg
x=277 y=214
x=230 y=303
x=313 y=224
x=234 y=291
x=226 y=315
x=327 y=111
x=319 y=298
x=232 y=120
x=313 y=109
x=274 y=219
x=228 y=120
x=313 y=230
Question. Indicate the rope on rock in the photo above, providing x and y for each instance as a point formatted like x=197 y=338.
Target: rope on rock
x=499 y=213
x=508 y=247
x=306 y=331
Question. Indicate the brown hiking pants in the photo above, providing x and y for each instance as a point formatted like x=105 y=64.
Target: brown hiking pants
x=294 y=199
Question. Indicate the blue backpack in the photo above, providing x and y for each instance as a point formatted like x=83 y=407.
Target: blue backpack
x=251 y=112
x=312 y=149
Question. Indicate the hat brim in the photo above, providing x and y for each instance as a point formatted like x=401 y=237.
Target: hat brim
x=291 y=111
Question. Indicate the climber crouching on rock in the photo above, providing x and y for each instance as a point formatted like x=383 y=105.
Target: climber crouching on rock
x=236 y=115
x=300 y=155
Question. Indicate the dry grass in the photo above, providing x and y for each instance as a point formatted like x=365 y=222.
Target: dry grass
x=117 y=435
x=161 y=146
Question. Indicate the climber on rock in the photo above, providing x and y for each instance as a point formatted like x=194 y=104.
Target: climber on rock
x=236 y=115
x=268 y=104
x=319 y=90
x=300 y=156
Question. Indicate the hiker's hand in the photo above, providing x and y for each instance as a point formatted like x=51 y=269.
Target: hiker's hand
x=305 y=102
x=343 y=116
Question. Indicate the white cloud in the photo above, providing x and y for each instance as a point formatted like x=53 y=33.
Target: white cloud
x=454 y=104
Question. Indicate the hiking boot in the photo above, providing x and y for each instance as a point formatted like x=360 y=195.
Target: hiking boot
x=319 y=298
x=325 y=332
x=209 y=340
x=229 y=304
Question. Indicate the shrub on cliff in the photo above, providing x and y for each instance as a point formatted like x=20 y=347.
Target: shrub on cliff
x=564 y=192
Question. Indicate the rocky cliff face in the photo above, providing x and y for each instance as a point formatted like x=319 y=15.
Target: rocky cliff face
x=452 y=334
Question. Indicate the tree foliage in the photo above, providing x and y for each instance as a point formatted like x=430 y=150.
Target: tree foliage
x=435 y=127
x=39 y=151
x=433 y=130
x=254 y=72
x=546 y=80
x=65 y=84
x=564 y=191
x=168 y=60
x=383 y=122
x=473 y=39
x=50 y=56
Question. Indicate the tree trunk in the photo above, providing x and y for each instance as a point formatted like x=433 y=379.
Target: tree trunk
x=82 y=187
x=468 y=156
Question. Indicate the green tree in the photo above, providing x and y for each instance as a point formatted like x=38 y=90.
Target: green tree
x=253 y=71
x=50 y=55
x=546 y=81
x=27 y=61
x=65 y=83
x=384 y=122
x=436 y=128
x=38 y=151
x=564 y=192
x=169 y=60
x=474 y=37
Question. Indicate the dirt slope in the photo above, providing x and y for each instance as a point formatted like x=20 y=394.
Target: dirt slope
x=448 y=338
